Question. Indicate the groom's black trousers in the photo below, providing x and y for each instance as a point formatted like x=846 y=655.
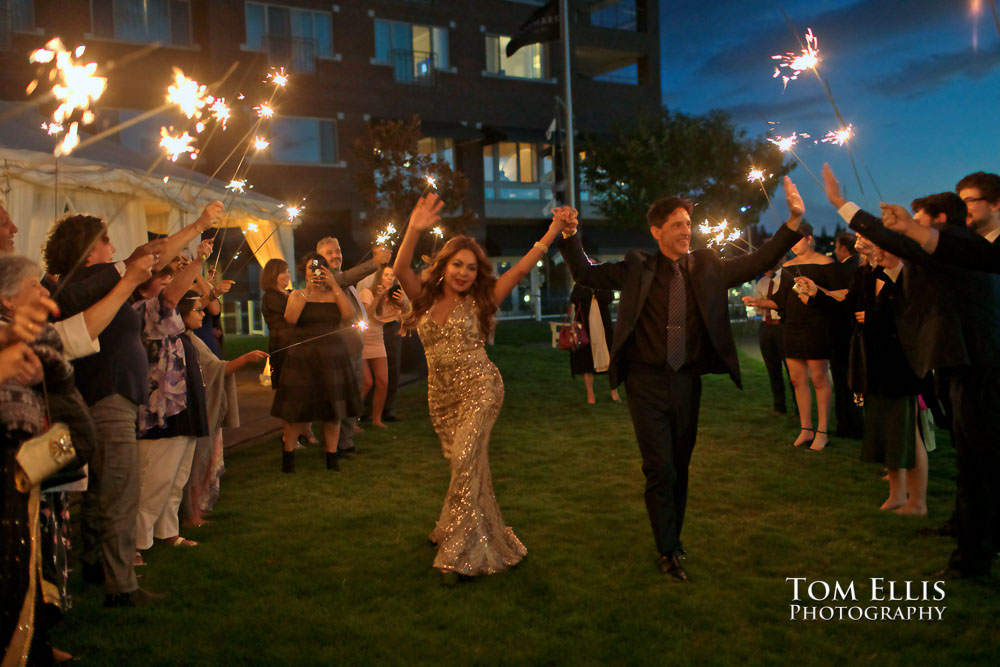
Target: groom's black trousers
x=664 y=407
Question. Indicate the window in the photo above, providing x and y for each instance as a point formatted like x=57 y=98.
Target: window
x=621 y=15
x=293 y=38
x=22 y=15
x=414 y=51
x=302 y=141
x=144 y=137
x=167 y=21
x=516 y=170
x=528 y=62
x=442 y=149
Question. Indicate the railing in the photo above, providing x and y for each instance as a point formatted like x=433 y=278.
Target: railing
x=413 y=67
x=298 y=54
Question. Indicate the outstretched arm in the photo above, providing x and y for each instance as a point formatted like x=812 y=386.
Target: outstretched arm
x=184 y=280
x=598 y=276
x=244 y=359
x=175 y=242
x=424 y=216
x=512 y=276
x=739 y=270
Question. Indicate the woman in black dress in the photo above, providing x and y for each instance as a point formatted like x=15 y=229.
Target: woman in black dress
x=807 y=336
x=317 y=380
x=594 y=357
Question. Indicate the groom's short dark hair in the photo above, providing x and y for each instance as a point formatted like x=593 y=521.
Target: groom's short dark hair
x=662 y=208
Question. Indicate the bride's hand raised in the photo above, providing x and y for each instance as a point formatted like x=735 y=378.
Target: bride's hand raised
x=426 y=212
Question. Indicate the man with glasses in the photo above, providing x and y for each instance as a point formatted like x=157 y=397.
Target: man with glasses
x=981 y=193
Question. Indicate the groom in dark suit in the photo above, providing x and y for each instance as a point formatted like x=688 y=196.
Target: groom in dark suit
x=673 y=326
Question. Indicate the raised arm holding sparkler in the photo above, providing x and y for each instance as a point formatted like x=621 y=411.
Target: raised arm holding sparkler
x=175 y=242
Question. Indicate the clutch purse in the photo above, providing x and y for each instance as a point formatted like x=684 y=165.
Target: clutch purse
x=42 y=456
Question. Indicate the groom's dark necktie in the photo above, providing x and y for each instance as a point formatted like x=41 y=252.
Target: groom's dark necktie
x=676 y=318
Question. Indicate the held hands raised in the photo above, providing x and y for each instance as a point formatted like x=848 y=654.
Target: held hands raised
x=565 y=219
x=426 y=213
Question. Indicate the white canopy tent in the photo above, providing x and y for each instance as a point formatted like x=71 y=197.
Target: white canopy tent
x=118 y=185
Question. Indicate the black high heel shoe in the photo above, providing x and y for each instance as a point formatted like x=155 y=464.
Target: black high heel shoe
x=799 y=444
x=287 y=461
x=333 y=461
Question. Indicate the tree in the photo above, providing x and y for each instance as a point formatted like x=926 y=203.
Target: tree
x=393 y=176
x=705 y=158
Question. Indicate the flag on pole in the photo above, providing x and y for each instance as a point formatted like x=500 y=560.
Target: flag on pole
x=541 y=26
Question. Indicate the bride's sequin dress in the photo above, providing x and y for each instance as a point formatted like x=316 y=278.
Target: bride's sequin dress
x=464 y=393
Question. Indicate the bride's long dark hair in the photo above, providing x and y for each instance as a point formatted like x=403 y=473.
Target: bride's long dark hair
x=481 y=290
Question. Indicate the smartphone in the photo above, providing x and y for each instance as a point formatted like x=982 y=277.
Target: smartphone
x=316 y=267
x=394 y=291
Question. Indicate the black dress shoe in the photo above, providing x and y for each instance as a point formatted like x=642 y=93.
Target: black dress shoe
x=333 y=461
x=672 y=565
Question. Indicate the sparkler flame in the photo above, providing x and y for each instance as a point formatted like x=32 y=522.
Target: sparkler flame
x=260 y=143
x=76 y=87
x=293 y=212
x=187 y=94
x=363 y=325
x=278 y=77
x=220 y=111
x=176 y=146
x=785 y=144
x=53 y=128
x=237 y=185
x=264 y=110
x=807 y=59
x=438 y=232
x=252 y=227
x=755 y=175
x=839 y=137
x=431 y=182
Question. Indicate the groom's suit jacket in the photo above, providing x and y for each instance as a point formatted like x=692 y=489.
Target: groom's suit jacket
x=710 y=277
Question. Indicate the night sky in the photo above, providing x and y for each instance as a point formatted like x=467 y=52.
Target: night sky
x=918 y=79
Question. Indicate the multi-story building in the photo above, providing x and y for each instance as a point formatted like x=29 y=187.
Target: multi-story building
x=353 y=62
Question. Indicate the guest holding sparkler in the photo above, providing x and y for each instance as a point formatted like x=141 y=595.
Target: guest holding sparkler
x=317 y=381
x=453 y=312
x=329 y=248
x=383 y=303
x=673 y=327
x=950 y=321
x=807 y=337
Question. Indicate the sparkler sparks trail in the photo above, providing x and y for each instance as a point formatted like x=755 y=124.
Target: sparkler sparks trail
x=755 y=175
x=294 y=212
x=806 y=59
x=839 y=137
x=260 y=143
x=785 y=144
x=237 y=186
x=264 y=110
x=177 y=146
x=187 y=94
x=53 y=128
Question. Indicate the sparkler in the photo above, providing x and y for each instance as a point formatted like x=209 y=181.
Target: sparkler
x=431 y=183
x=237 y=186
x=260 y=143
x=177 y=146
x=807 y=59
x=220 y=111
x=720 y=235
x=264 y=110
x=755 y=175
x=53 y=129
x=278 y=77
x=187 y=94
x=785 y=145
x=75 y=86
x=839 y=137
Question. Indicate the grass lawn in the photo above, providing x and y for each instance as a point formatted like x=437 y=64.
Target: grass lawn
x=321 y=567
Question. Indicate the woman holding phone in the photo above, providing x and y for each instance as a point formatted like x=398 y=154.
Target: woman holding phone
x=317 y=381
x=383 y=300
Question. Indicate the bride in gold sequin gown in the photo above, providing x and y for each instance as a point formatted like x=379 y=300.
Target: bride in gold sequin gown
x=453 y=312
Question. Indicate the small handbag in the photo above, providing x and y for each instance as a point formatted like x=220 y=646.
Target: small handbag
x=42 y=456
x=573 y=336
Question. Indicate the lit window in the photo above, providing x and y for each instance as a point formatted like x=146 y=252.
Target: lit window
x=301 y=141
x=147 y=21
x=293 y=38
x=528 y=62
x=511 y=170
x=414 y=51
x=440 y=148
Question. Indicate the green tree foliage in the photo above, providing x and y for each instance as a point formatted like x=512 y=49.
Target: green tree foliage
x=393 y=175
x=705 y=158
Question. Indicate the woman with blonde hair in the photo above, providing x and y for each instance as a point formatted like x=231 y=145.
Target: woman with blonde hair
x=454 y=304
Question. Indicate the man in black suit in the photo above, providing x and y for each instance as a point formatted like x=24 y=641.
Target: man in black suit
x=950 y=322
x=673 y=326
